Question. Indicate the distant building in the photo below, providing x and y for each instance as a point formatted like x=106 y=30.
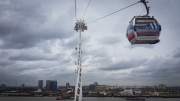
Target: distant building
x=23 y=86
x=85 y=87
x=91 y=86
x=100 y=88
x=40 y=84
x=38 y=91
x=3 y=87
x=51 y=85
x=128 y=91
x=113 y=87
x=67 y=85
x=162 y=86
x=69 y=90
x=155 y=88
x=137 y=91
x=95 y=83
x=48 y=85
x=157 y=93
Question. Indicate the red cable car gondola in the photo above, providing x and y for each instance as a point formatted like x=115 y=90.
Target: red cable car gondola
x=143 y=29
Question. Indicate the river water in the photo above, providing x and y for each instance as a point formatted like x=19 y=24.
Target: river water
x=84 y=99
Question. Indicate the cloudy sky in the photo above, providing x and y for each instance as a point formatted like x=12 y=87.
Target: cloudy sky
x=37 y=42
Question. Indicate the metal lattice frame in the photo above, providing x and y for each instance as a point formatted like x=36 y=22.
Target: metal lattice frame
x=80 y=25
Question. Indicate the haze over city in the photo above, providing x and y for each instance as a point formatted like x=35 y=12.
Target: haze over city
x=38 y=40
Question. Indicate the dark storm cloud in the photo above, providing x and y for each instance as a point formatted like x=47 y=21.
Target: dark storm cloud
x=158 y=68
x=24 y=26
x=152 y=72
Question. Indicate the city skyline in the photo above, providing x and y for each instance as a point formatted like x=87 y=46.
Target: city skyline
x=37 y=42
x=67 y=85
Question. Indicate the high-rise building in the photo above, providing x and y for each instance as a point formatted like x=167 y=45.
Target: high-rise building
x=51 y=85
x=3 y=87
x=67 y=85
x=48 y=85
x=22 y=86
x=40 y=84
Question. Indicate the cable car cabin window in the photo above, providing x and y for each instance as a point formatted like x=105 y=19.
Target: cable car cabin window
x=156 y=27
x=141 y=24
x=130 y=28
x=130 y=25
x=148 y=23
x=151 y=25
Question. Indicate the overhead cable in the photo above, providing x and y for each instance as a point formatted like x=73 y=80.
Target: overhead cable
x=114 y=12
x=86 y=9
x=75 y=8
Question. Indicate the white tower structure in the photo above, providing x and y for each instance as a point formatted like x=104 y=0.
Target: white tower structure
x=80 y=26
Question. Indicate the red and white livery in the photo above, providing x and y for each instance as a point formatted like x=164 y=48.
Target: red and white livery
x=143 y=30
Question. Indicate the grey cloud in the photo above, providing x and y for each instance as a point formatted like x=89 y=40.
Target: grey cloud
x=46 y=46
x=140 y=45
x=110 y=40
x=96 y=52
x=125 y=64
x=176 y=53
x=11 y=79
x=5 y=62
x=71 y=43
x=33 y=57
x=101 y=61
x=159 y=68
x=25 y=27
x=26 y=9
x=21 y=67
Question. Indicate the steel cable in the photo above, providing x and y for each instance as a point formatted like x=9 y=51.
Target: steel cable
x=114 y=12
x=75 y=8
x=86 y=9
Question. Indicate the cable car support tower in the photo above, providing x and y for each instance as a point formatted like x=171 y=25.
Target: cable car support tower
x=80 y=26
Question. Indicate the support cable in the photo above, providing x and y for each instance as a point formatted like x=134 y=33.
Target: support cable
x=86 y=9
x=75 y=8
x=115 y=12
